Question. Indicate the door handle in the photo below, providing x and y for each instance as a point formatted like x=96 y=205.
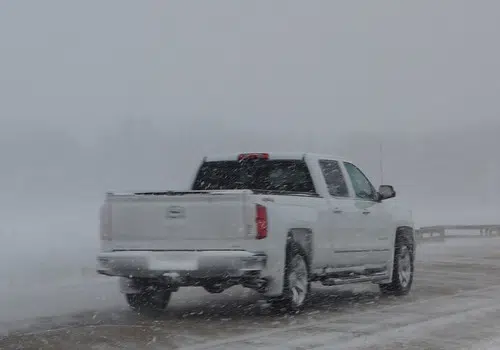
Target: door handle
x=366 y=212
x=338 y=211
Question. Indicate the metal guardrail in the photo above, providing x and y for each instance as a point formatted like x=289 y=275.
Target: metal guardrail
x=442 y=232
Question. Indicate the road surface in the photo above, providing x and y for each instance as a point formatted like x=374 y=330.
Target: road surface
x=455 y=304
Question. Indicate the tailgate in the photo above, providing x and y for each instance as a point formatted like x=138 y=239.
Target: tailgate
x=179 y=220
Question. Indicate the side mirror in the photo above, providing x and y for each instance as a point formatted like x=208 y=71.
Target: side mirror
x=386 y=192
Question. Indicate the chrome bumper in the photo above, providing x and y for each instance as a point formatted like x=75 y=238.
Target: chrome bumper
x=178 y=264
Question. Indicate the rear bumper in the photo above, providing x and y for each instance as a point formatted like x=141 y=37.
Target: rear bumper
x=181 y=264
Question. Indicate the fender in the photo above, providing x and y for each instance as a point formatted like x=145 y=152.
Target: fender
x=289 y=222
x=300 y=236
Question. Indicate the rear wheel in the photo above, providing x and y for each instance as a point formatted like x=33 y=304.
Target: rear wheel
x=150 y=301
x=214 y=288
x=403 y=267
x=296 y=285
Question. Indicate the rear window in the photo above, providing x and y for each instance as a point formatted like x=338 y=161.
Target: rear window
x=266 y=175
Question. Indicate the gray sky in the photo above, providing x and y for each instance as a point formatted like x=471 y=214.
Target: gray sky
x=350 y=65
x=225 y=75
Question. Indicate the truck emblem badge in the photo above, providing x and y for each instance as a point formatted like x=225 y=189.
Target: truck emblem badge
x=175 y=212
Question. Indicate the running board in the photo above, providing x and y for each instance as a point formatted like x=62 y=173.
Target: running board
x=355 y=279
x=366 y=270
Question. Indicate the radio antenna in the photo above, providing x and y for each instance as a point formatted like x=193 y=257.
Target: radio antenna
x=381 y=164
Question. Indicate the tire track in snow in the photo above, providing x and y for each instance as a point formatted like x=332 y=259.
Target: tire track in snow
x=416 y=324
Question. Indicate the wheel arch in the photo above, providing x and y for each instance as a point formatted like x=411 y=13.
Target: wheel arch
x=303 y=238
x=406 y=232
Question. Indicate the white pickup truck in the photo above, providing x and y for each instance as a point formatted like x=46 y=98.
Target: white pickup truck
x=273 y=222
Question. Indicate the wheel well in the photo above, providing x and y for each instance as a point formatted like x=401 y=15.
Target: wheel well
x=301 y=237
x=406 y=232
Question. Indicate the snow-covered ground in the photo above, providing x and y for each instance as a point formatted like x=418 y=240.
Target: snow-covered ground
x=50 y=296
x=489 y=344
x=454 y=305
x=47 y=262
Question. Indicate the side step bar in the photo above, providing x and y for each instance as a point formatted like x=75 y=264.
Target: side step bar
x=355 y=279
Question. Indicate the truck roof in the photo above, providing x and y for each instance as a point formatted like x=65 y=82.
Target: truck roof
x=272 y=155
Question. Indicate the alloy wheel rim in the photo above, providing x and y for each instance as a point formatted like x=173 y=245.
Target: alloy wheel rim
x=404 y=266
x=298 y=280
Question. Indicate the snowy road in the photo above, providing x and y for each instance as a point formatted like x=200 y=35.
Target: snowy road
x=455 y=304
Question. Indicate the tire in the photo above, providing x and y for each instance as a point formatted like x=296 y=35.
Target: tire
x=214 y=288
x=149 y=302
x=297 y=285
x=403 y=269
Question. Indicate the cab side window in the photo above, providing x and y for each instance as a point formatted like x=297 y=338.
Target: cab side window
x=334 y=178
x=362 y=186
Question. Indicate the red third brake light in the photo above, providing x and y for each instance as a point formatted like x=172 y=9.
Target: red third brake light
x=261 y=221
x=245 y=156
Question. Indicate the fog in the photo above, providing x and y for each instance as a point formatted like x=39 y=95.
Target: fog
x=120 y=95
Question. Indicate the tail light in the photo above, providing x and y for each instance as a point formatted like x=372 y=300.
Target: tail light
x=261 y=221
x=105 y=223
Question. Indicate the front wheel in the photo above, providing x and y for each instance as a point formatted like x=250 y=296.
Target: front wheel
x=150 y=302
x=403 y=267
